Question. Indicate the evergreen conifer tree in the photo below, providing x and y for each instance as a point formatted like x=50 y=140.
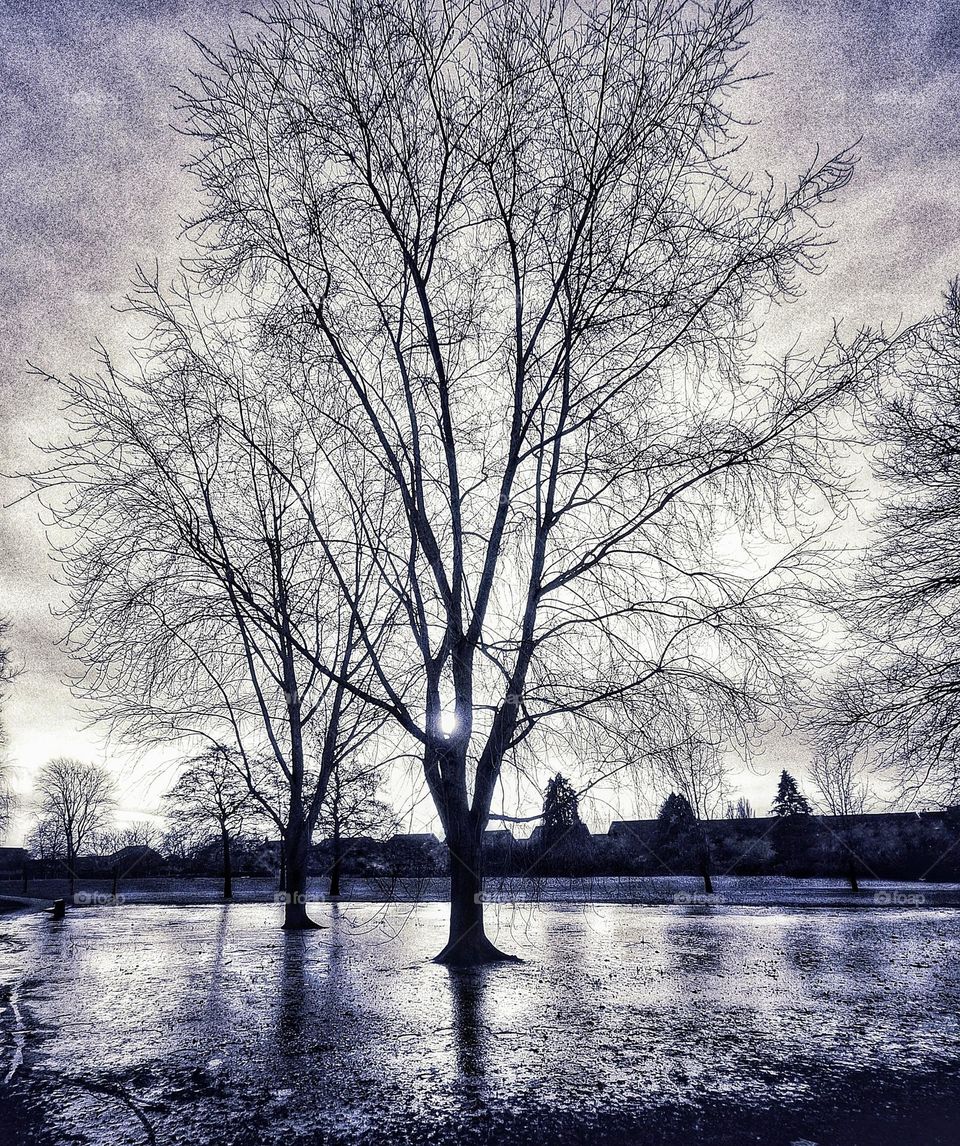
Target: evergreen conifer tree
x=789 y=800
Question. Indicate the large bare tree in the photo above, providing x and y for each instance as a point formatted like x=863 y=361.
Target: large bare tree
x=201 y=608
x=509 y=243
x=896 y=706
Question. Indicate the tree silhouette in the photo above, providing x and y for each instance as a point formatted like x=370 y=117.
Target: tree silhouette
x=741 y=810
x=562 y=836
x=211 y=796
x=352 y=808
x=789 y=801
x=896 y=705
x=561 y=810
x=680 y=839
x=201 y=607
x=793 y=833
x=74 y=800
x=507 y=241
x=843 y=793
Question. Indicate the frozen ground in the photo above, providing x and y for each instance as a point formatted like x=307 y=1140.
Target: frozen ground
x=625 y=1024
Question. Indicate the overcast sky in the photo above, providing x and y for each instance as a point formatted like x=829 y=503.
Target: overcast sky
x=92 y=184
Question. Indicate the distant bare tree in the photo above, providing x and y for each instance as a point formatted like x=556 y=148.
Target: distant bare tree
x=176 y=843
x=507 y=242
x=46 y=840
x=897 y=702
x=138 y=834
x=842 y=792
x=741 y=810
x=74 y=800
x=694 y=768
x=680 y=838
x=352 y=808
x=842 y=789
x=211 y=797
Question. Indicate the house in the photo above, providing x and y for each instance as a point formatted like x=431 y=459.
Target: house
x=12 y=859
x=136 y=860
x=419 y=839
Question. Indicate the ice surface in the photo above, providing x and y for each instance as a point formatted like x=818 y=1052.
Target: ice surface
x=208 y=1024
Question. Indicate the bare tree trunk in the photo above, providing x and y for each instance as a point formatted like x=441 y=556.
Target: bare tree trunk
x=335 y=866
x=707 y=880
x=227 y=866
x=296 y=844
x=705 y=866
x=468 y=944
x=852 y=871
x=71 y=872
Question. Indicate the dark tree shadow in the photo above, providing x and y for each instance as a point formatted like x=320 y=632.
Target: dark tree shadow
x=467 y=994
x=312 y=985
x=295 y=1011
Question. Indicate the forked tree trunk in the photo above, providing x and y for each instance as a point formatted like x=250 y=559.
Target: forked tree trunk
x=296 y=846
x=468 y=944
x=71 y=871
x=227 y=865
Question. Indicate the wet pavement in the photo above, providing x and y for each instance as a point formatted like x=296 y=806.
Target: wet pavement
x=648 y=1024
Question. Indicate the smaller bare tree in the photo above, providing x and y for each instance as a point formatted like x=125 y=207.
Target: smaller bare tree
x=843 y=792
x=139 y=834
x=211 y=796
x=78 y=799
x=694 y=767
x=842 y=789
x=46 y=841
x=352 y=809
x=741 y=810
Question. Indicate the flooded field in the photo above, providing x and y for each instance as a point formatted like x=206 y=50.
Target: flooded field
x=625 y=1023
